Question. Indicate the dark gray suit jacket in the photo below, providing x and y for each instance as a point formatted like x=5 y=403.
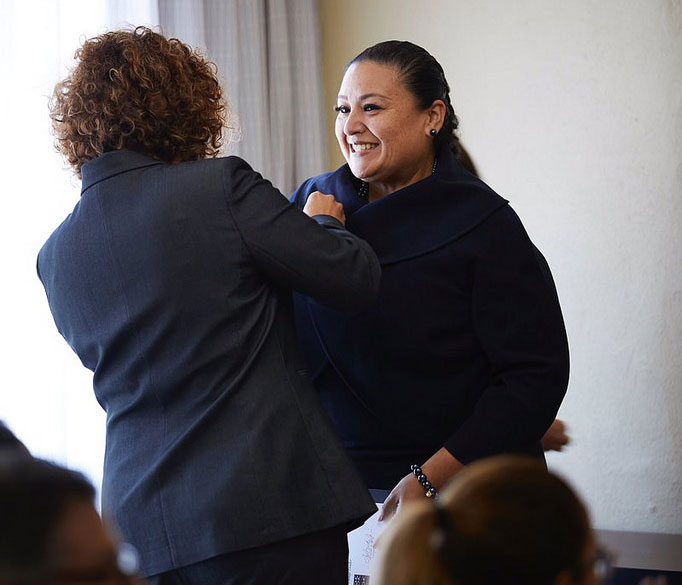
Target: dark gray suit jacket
x=173 y=284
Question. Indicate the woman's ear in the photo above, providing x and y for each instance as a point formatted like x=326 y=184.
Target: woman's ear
x=436 y=116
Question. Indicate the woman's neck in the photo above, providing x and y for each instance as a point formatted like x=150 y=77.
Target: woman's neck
x=379 y=189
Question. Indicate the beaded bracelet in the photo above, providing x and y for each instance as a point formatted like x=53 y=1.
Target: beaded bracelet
x=431 y=491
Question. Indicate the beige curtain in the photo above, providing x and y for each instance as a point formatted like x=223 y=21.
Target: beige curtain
x=268 y=56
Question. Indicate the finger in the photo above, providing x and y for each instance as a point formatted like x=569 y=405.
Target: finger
x=399 y=507
x=388 y=508
x=386 y=514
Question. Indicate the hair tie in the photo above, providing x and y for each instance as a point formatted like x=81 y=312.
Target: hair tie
x=443 y=540
x=442 y=529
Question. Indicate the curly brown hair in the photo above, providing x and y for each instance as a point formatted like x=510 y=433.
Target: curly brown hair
x=138 y=90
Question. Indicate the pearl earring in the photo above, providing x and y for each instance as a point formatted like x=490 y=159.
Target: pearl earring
x=433 y=132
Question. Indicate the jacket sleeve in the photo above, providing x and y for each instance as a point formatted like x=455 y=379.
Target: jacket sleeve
x=518 y=322
x=314 y=256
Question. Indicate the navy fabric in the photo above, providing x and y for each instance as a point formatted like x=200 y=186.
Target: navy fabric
x=173 y=284
x=466 y=346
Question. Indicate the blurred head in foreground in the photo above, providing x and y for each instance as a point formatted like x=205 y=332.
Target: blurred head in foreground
x=503 y=521
x=9 y=443
x=51 y=532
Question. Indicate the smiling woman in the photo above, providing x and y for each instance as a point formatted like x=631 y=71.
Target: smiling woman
x=465 y=354
x=382 y=131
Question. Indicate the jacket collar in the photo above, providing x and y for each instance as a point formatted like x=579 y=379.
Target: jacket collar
x=419 y=218
x=113 y=163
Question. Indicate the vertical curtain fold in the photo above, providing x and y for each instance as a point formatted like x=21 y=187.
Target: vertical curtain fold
x=268 y=57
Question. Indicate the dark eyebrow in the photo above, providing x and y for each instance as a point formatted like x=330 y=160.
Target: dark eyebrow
x=362 y=97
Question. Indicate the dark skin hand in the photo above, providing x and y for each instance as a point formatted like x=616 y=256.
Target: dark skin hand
x=556 y=437
x=322 y=204
x=442 y=467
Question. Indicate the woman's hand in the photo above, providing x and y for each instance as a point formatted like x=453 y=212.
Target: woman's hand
x=556 y=437
x=439 y=469
x=408 y=488
x=320 y=204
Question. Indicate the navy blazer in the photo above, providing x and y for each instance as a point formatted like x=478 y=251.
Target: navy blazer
x=466 y=346
x=173 y=284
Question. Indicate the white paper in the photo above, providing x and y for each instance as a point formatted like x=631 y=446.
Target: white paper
x=361 y=549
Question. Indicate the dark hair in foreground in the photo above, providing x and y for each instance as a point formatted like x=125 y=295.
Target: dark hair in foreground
x=140 y=91
x=9 y=443
x=505 y=520
x=423 y=76
x=33 y=496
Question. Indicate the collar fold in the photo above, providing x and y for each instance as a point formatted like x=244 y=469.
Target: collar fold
x=113 y=163
x=419 y=218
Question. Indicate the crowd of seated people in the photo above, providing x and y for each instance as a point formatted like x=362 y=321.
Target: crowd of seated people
x=503 y=520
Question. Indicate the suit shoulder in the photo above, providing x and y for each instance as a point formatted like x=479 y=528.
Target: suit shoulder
x=225 y=164
x=233 y=174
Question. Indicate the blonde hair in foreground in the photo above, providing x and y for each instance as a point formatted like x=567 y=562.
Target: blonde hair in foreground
x=504 y=520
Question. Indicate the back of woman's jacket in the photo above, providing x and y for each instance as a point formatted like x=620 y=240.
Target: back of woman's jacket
x=173 y=284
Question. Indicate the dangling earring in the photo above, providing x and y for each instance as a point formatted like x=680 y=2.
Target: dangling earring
x=433 y=132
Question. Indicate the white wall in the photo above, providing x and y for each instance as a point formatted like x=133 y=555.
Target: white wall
x=46 y=395
x=573 y=112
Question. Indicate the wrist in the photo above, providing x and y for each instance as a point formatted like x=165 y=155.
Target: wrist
x=441 y=468
x=429 y=489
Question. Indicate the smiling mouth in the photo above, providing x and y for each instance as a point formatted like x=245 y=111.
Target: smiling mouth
x=364 y=147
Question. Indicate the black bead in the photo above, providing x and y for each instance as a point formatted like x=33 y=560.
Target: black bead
x=422 y=478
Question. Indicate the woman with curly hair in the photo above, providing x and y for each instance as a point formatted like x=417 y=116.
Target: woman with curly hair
x=171 y=280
